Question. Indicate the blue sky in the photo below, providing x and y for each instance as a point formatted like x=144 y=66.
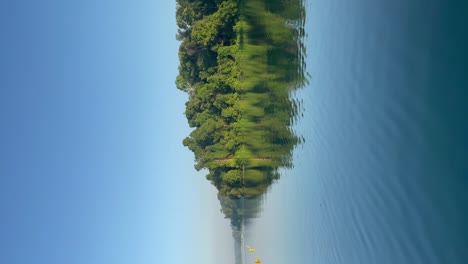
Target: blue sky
x=92 y=169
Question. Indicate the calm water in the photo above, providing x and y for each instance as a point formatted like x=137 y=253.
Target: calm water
x=383 y=174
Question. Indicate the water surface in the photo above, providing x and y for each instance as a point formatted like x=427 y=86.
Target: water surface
x=382 y=175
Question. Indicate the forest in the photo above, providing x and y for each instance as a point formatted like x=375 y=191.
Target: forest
x=240 y=63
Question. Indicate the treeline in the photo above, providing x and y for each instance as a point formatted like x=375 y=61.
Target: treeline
x=239 y=63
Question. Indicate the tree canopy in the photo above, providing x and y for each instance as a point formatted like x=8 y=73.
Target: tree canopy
x=240 y=62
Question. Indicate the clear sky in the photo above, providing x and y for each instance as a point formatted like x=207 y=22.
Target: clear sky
x=92 y=169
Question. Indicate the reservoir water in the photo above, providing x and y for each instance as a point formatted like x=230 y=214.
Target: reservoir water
x=382 y=175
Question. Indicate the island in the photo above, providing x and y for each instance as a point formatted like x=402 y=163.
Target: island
x=240 y=64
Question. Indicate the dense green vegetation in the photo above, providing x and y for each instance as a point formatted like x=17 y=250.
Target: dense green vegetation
x=240 y=62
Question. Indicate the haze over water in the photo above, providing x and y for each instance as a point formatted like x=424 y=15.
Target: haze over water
x=382 y=175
